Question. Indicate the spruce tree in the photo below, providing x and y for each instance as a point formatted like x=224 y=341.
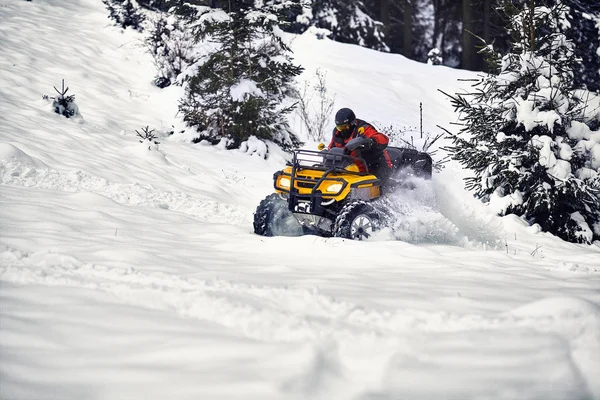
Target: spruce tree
x=125 y=13
x=349 y=23
x=243 y=85
x=295 y=15
x=528 y=133
x=171 y=44
x=347 y=20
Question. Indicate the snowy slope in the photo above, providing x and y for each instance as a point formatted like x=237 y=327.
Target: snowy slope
x=128 y=273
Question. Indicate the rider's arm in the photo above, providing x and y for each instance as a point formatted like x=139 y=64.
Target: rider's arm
x=381 y=140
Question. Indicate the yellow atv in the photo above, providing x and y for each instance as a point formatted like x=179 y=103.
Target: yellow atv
x=324 y=193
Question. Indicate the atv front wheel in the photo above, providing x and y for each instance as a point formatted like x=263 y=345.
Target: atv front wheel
x=273 y=218
x=357 y=220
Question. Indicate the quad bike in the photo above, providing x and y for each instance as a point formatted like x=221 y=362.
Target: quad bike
x=325 y=193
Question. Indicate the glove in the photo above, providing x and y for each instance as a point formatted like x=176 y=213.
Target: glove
x=360 y=142
x=369 y=143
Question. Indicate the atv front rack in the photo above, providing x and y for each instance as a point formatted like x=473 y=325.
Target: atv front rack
x=315 y=201
x=333 y=160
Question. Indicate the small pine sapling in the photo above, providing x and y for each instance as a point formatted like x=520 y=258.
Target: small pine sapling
x=63 y=104
x=147 y=136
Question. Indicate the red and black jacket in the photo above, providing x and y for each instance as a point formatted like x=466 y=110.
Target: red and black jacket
x=376 y=156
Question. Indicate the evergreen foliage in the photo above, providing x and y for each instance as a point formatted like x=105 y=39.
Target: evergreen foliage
x=125 y=13
x=148 y=137
x=295 y=15
x=159 y=5
x=172 y=47
x=583 y=28
x=434 y=57
x=414 y=27
x=528 y=133
x=347 y=20
x=64 y=104
x=147 y=134
x=183 y=8
x=242 y=87
x=349 y=23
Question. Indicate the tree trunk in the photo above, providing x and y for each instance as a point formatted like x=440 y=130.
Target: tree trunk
x=468 y=45
x=408 y=34
x=436 y=23
x=384 y=15
x=532 y=25
x=487 y=21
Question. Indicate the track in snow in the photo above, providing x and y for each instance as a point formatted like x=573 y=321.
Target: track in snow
x=19 y=169
x=390 y=340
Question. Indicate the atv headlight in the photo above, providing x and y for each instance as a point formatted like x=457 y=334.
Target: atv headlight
x=284 y=182
x=334 y=188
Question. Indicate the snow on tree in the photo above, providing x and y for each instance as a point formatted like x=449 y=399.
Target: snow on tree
x=242 y=86
x=530 y=136
x=64 y=104
x=173 y=5
x=295 y=15
x=158 y=5
x=172 y=47
x=434 y=57
x=349 y=22
x=125 y=13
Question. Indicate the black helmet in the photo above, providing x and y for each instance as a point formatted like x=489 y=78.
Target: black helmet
x=345 y=121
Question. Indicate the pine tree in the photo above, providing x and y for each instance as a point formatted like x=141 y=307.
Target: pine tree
x=171 y=45
x=528 y=133
x=347 y=20
x=295 y=15
x=180 y=7
x=125 y=13
x=158 y=5
x=243 y=86
x=349 y=23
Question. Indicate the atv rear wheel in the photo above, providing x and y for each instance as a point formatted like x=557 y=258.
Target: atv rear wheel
x=273 y=218
x=357 y=220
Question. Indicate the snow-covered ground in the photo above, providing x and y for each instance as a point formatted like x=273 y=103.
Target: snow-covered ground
x=128 y=273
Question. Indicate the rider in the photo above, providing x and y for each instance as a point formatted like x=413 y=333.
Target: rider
x=347 y=127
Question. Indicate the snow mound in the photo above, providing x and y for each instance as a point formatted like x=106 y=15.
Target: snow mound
x=149 y=151
x=557 y=307
x=578 y=322
x=12 y=155
x=489 y=366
